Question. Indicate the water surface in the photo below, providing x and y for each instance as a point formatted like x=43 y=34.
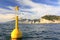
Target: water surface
x=32 y=31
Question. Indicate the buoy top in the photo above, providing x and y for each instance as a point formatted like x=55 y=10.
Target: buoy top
x=16 y=8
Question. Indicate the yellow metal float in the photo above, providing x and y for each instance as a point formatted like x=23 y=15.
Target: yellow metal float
x=16 y=33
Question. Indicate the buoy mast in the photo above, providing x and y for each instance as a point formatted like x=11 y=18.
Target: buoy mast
x=16 y=17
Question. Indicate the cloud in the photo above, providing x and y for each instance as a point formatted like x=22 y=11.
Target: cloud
x=6 y=17
x=48 y=2
x=29 y=9
x=40 y=9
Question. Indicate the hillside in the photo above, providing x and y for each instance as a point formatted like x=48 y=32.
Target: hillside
x=51 y=17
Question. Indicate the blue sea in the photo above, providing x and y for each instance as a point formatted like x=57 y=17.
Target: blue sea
x=32 y=31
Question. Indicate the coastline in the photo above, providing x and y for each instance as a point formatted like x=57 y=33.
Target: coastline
x=40 y=23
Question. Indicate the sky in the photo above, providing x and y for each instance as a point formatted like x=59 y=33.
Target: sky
x=30 y=9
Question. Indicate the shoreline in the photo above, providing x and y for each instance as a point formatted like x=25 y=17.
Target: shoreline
x=39 y=23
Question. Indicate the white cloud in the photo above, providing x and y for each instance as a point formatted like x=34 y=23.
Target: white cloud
x=5 y=11
x=59 y=2
x=40 y=9
x=6 y=17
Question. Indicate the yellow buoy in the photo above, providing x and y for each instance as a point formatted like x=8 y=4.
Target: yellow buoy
x=16 y=33
x=16 y=8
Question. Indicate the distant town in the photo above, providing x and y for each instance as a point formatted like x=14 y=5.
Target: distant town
x=44 y=19
x=29 y=21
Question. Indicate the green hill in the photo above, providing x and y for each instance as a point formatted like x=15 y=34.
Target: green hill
x=51 y=17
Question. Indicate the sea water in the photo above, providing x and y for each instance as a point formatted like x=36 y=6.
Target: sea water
x=32 y=31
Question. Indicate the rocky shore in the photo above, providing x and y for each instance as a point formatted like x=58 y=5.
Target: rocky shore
x=50 y=19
